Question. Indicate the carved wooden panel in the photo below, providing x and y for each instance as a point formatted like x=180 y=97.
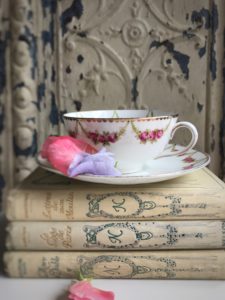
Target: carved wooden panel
x=81 y=55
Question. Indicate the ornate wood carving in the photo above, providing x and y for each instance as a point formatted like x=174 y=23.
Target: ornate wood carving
x=80 y=55
x=24 y=74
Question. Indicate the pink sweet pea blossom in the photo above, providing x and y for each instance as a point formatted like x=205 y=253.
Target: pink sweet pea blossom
x=83 y=290
x=100 y=163
x=61 y=150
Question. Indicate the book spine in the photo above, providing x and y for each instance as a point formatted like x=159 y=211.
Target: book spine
x=115 y=235
x=199 y=264
x=70 y=205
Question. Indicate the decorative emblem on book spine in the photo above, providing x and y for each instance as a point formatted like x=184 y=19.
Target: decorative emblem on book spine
x=118 y=206
x=115 y=266
x=114 y=235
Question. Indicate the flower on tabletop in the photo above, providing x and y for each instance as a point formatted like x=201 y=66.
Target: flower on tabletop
x=83 y=290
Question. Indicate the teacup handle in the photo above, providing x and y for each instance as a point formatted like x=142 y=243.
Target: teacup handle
x=194 y=137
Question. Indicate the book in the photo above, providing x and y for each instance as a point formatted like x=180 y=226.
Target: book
x=122 y=235
x=174 y=264
x=45 y=196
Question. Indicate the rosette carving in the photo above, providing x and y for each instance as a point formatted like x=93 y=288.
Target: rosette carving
x=24 y=91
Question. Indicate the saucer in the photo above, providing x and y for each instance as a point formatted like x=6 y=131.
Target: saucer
x=156 y=170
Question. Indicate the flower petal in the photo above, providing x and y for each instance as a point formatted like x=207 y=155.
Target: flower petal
x=83 y=290
x=101 y=163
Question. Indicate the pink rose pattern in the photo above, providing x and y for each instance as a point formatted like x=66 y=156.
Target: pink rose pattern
x=151 y=136
x=83 y=290
x=189 y=160
x=104 y=138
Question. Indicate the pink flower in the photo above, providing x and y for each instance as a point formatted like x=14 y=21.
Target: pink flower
x=112 y=137
x=83 y=290
x=188 y=167
x=93 y=136
x=61 y=150
x=188 y=159
x=102 y=139
x=143 y=136
x=152 y=135
x=159 y=133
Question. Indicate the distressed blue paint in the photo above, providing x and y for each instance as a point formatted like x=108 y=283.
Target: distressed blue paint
x=30 y=15
x=40 y=94
x=75 y=10
x=2 y=182
x=48 y=36
x=82 y=34
x=45 y=71
x=214 y=27
x=202 y=51
x=2 y=117
x=222 y=122
x=53 y=74
x=61 y=113
x=78 y=105
x=199 y=107
x=18 y=85
x=29 y=151
x=80 y=58
x=30 y=39
x=68 y=70
x=134 y=91
x=199 y=16
x=181 y=58
x=3 y=44
x=49 y=6
x=188 y=34
x=54 y=115
x=2 y=186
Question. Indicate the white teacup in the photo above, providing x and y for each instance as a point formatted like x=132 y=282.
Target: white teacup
x=133 y=136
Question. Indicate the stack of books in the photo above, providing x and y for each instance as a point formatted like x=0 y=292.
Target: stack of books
x=60 y=227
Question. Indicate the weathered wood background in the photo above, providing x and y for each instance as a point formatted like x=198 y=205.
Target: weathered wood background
x=59 y=56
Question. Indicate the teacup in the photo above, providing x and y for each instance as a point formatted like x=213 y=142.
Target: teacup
x=133 y=136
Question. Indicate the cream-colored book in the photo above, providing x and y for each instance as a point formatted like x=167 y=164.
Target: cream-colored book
x=176 y=264
x=46 y=196
x=117 y=235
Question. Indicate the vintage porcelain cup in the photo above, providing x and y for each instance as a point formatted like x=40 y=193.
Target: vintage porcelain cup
x=133 y=136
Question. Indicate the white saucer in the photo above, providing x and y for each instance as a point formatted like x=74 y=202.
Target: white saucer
x=154 y=171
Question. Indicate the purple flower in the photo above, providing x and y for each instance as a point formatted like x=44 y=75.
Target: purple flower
x=100 y=163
